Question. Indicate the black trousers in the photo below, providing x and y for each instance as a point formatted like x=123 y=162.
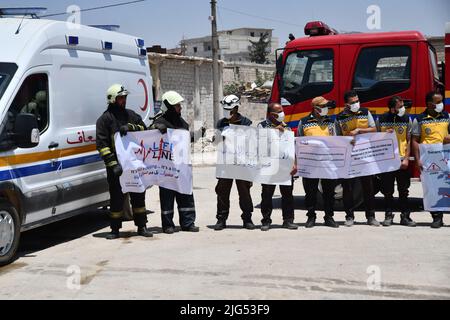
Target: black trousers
x=116 y=203
x=403 y=178
x=223 y=190
x=186 y=208
x=287 y=202
x=368 y=194
x=311 y=190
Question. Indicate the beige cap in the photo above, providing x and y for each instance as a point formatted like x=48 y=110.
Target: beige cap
x=319 y=102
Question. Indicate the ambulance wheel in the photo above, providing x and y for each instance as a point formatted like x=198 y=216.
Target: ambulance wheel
x=9 y=232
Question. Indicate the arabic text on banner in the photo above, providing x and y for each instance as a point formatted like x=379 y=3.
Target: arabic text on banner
x=435 y=177
x=149 y=158
x=257 y=155
x=337 y=158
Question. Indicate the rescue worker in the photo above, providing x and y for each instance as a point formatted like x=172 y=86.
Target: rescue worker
x=170 y=118
x=354 y=121
x=431 y=127
x=396 y=120
x=119 y=119
x=318 y=124
x=231 y=104
x=275 y=120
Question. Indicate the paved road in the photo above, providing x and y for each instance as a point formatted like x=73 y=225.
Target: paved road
x=360 y=262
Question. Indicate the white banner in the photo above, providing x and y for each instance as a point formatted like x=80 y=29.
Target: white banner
x=337 y=158
x=149 y=158
x=435 y=177
x=257 y=155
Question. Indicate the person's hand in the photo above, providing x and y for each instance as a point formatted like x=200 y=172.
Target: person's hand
x=419 y=165
x=447 y=140
x=117 y=170
x=162 y=128
x=354 y=132
x=390 y=130
x=124 y=130
x=294 y=170
x=353 y=142
x=405 y=164
x=281 y=128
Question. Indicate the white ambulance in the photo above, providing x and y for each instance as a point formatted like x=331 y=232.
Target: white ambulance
x=53 y=81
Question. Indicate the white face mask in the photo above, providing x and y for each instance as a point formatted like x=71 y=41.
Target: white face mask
x=355 y=107
x=323 y=111
x=401 y=112
x=281 y=117
x=439 y=107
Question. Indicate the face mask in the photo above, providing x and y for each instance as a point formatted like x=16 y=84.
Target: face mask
x=401 y=112
x=355 y=107
x=281 y=117
x=323 y=111
x=439 y=107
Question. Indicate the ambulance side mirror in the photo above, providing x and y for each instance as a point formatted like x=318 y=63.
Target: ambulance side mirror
x=26 y=132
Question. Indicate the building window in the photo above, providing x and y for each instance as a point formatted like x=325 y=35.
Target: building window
x=195 y=49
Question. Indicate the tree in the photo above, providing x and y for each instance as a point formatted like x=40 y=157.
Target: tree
x=260 y=49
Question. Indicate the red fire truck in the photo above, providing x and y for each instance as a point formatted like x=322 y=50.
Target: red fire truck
x=376 y=65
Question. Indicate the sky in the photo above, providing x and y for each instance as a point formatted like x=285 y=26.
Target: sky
x=167 y=22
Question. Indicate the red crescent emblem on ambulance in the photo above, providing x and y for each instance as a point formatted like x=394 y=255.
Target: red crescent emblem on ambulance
x=145 y=106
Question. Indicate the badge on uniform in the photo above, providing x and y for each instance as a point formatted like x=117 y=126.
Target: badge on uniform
x=400 y=130
x=428 y=131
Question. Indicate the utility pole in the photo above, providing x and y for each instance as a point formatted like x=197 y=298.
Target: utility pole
x=215 y=56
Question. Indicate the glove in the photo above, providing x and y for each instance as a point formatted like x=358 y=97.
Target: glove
x=161 y=127
x=124 y=130
x=117 y=170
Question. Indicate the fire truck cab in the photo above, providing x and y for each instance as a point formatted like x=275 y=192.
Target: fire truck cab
x=377 y=66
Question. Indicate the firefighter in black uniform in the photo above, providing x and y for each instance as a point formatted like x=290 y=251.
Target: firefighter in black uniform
x=170 y=118
x=231 y=105
x=398 y=122
x=119 y=119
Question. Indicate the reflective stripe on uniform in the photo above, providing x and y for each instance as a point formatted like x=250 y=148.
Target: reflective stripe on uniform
x=116 y=215
x=186 y=209
x=167 y=212
x=105 y=151
x=139 y=210
x=112 y=164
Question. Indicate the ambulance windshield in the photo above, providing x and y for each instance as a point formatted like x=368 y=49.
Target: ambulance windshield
x=7 y=71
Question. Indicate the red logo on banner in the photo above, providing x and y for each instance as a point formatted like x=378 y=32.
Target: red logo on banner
x=145 y=106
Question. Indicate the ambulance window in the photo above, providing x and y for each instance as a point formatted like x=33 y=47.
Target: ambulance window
x=382 y=72
x=7 y=71
x=307 y=74
x=33 y=98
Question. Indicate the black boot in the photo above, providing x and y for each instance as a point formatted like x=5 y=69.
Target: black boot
x=248 y=224
x=192 y=229
x=311 y=222
x=388 y=220
x=405 y=220
x=144 y=232
x=289 y=224
x=116 y=224
x=438 y=220
x=329 y=222
x=220 y=225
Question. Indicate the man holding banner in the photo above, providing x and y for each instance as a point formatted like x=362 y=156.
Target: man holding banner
x=170 y=117
x=396 y=120
x=318 y=124
x=354 y=121
x=432 y=128
x=275 y=120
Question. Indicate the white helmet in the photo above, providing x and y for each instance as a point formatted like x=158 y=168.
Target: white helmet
x=230 y=102
x=116 y=90
x=172 y=97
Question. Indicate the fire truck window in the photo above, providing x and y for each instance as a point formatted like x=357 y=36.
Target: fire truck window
x=32 y=98
x=382 y=72
x=307 y=74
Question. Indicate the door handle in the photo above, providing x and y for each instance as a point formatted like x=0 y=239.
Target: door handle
x=53 y=145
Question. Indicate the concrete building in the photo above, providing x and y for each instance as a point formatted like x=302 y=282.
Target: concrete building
x=234 y=45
